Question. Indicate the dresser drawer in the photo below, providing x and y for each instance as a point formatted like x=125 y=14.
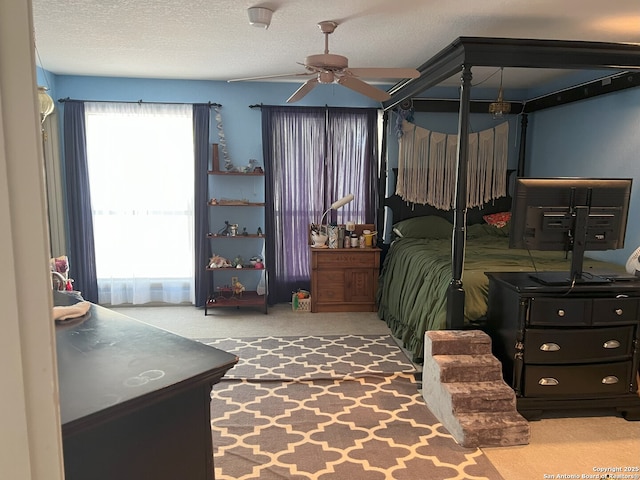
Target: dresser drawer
x=611 y=311
x=578 y=345
x=577 y=380
x=345 y=258
x=551 y=311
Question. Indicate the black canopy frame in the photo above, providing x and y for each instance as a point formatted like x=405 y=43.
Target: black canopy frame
x=623 y=59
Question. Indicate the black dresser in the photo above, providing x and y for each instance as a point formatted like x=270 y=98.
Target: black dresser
x=566 y=348
x=135 y=400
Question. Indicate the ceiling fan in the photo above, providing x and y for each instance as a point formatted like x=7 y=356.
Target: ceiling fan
x=331 y=68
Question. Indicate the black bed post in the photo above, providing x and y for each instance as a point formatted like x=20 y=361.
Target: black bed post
x=523 y=144
x=455 y=292
x=382 y=180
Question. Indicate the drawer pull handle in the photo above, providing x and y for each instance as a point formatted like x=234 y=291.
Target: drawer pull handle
x=619 y=312
x=611 y=344
x=561 y=313
x=610 y=380
x=550 y=381
x=549 y=347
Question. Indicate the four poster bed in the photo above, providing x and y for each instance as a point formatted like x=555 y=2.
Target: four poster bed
x=421 y=284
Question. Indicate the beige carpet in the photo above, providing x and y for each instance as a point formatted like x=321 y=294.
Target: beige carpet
x=561 y=444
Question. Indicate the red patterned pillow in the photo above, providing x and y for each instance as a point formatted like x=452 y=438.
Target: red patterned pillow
x=498 y=220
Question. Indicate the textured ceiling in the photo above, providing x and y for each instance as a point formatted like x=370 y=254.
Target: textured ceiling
x=212 y=40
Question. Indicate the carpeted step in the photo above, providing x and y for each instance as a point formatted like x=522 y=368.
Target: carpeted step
x=493 y=429
x=468 y=368
x=474 y=397
x=467 y=393
x=457 y=342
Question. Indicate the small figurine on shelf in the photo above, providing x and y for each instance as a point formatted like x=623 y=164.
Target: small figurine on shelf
x=237 y=287
x=253 y=164
x=244 y=232
x=218 y=262
x=225 y=230
x=238 y=262
x=259 y=233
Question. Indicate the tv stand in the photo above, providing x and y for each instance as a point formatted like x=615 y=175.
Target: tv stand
x=566 y=349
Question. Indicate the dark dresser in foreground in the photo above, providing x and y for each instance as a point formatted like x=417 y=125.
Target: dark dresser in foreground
x=566 y=348
x=135 y=399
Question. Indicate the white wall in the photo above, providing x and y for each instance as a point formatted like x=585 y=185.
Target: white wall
x=30 y=444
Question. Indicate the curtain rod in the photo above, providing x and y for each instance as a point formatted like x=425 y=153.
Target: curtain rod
x=140 y=102
x=260 y=105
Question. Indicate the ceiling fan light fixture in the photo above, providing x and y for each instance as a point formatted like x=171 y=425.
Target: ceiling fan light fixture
x=260 y=17
x=499 y=108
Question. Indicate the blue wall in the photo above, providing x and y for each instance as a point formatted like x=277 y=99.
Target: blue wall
x=241 y=124
x=599 y=137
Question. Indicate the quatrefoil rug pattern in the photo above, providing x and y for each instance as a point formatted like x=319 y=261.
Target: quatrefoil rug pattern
x=335 y=407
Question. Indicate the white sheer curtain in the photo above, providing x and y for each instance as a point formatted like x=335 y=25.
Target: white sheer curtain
x=140 y=159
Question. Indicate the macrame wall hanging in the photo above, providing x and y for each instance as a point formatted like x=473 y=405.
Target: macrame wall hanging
x=427 y=166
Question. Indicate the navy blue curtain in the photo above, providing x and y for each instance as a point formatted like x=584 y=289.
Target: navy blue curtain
x=201 y=157
x=313 y=156
x=82 y=257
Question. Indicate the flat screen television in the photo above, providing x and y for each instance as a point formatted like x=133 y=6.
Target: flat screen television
x=572 y=215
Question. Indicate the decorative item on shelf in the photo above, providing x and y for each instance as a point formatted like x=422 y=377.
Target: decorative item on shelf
x=237 y=287
x=255 y=260
x=244 y=232
x=233 y=229
x=225 y=230
x=213 y=201
x=259 y=232
x=237 y=262
x=216 y=261
x=225 y=291
x=215 y=158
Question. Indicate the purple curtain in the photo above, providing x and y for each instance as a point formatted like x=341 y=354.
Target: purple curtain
x=82 y=256
x=202 y=250
x=313 y=156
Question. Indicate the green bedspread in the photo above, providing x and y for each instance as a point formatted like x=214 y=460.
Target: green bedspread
x=416 y=273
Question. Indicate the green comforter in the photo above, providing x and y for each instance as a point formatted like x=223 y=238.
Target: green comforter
x=416 y=273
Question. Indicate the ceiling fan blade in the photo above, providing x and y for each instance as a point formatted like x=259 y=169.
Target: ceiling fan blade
x=303 y=90
x=265 y=77
x=385 y=72
x=364 y=88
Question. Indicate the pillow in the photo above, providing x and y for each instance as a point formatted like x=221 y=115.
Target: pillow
x=424 y=227
x=481 y=230
x=498 y=220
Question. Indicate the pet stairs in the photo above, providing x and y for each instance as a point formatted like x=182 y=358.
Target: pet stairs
x=463 y=387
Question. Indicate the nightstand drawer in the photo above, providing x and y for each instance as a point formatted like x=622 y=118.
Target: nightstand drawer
x=610 y=311
x=578 y=346
x=550 y=311
x=577 y=380
x=338 y=258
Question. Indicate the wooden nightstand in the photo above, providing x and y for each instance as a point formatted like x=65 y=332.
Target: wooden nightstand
x=344 y=279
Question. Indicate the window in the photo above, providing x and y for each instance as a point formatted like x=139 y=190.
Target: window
x=140 y=161
x=313 y=157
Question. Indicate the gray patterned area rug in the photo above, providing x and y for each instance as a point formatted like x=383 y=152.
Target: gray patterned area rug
x=332 y=407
